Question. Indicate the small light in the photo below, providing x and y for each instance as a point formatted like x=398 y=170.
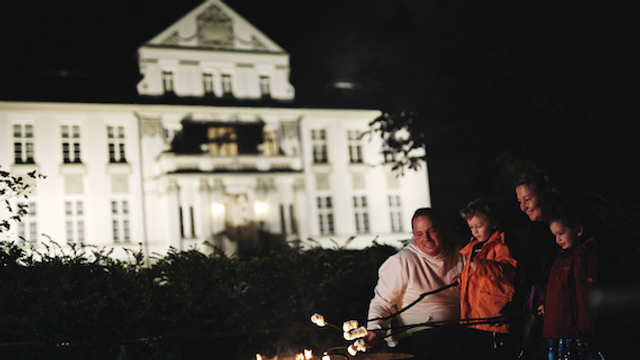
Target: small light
x=260 y=207
x=217 y=208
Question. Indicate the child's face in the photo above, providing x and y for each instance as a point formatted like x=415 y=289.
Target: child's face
x=481 y=228
x=565 y=236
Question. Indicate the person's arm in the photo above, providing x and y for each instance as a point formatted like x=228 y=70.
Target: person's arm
x=392 y=281
x=501 y=268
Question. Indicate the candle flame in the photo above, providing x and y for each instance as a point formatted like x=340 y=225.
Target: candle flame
x=308 y=354
x=259 y=357
x=300 y=356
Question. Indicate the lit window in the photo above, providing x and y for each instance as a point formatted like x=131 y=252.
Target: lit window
x=222 y=141
x=270 y=144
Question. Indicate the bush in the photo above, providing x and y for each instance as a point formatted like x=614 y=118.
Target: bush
x=186 y=306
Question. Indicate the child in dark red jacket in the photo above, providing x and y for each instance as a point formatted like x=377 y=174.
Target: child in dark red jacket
x=568 y=321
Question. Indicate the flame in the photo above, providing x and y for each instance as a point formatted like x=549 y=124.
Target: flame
x=308 y=354
x=299 y=356
x=259 y=357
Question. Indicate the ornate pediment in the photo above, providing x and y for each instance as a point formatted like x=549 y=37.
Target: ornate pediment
x=215 y=28
x=215 y=25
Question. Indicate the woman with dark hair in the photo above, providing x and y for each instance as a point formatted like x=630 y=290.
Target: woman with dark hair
x=538 y=196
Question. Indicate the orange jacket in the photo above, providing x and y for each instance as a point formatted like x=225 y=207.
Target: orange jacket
x=485 y=291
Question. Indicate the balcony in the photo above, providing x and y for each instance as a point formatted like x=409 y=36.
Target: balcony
x=172 y=163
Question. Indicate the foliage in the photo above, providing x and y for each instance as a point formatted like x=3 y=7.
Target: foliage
x=14 y=187
x=85 y=297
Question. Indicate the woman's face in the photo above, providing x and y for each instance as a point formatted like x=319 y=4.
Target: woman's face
x=531 y=204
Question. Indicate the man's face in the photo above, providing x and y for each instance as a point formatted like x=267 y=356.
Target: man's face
x=428 y=236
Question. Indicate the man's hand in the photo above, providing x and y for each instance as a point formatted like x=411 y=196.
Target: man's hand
x=372 y=339
x=458 y=279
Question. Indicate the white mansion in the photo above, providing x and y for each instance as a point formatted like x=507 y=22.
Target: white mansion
x=154 y=176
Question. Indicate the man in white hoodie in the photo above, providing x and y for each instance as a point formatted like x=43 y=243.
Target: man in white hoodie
x=427 y=263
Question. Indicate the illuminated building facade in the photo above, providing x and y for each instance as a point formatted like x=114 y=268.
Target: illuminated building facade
x=165 y=175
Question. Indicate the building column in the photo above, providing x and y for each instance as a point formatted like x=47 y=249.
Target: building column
x=300 y=218
x=172 y=196
x=204 y=215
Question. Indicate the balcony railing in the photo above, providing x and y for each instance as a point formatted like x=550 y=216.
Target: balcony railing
x=171 y=162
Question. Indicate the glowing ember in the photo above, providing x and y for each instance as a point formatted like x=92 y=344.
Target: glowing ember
x=308 y=354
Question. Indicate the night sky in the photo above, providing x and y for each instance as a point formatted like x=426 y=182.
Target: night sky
x=498 y=86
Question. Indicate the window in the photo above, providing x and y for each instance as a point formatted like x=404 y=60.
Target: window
x=80 y=231
x=319 y=143
x=28 y=224
x=361 y=214
x=222 y=141
x=207 y=83
x=265 y=90
x=325 y=215
x=270 y=144
x=74 y=221
x=395 y=213
x=69 y=145
x=116 y=143
x=226 y=85
x=167 y=81
x=23 y=143
x=355 y=146
x=120 y=220
x=116 y=231
x=127 y=235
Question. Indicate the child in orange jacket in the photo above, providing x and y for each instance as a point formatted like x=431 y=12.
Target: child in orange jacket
x=487 y=283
